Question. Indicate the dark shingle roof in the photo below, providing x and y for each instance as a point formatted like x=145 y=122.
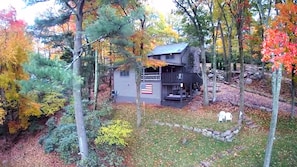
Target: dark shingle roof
x=167 y=49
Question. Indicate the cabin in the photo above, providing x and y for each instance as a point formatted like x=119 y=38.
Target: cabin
x=172 y=85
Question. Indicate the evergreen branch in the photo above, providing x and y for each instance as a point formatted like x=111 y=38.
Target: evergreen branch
x=82 y=50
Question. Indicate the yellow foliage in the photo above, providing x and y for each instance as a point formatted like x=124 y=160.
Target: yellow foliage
x=154 y=63
x=2 y=116
x=115 y=133
x=15 y=46
x=13 y=127
x=51 y=103
x=27 y=108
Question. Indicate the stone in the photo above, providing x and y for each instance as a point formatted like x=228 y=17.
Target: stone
x=205 y=163
x=208 y=133
x=197 y=130
x=236 y=131
x=248 y=81
x=216 y=132
x=169 y=124
x=210 y=75
x=220 y=77
x=229 y=136
x=187 y=127
x=226 y=133
x=161 y=123
x=229 y=140
x=177 y=125
x=221 y=138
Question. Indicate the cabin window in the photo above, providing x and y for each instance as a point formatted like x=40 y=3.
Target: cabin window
x=124 y=73
x=170 y=56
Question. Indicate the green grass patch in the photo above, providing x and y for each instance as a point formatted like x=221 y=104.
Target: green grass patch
x=154 y=145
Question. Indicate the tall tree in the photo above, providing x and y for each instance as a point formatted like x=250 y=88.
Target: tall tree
x=280 y=48
x=263 y=9
x=15 y=45
x=214 y=30
x=196 y=21
x=286 y=21
x=74 y=8
x=238 y=10
x=125 y=26
x=226 y=33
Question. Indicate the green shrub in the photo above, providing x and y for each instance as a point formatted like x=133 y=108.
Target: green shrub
x=91 y=161
x=63 y=140
x=114 y=133
x=111 y=157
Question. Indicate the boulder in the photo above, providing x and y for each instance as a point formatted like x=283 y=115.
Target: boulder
x=248 y=81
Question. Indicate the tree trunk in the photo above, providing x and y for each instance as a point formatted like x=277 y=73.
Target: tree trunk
x=228 y=61
x=214 y=88
x=224 y=45
x=81 y=132
x=241 y=80
x=293 y=90
x=96 y=80
x=138 y=109
x=276 y=85
x=204 y=76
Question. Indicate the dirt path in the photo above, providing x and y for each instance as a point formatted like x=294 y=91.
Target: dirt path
x=230 y=94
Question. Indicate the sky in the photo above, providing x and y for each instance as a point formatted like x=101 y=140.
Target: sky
x=29 y=13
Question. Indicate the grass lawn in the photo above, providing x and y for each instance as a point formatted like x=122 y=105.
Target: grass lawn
x=154 y=145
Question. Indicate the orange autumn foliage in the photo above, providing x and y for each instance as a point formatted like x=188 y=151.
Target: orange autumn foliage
x=15 y=45
x=280 y=44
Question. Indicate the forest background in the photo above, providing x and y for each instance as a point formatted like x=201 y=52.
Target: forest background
x=90 y=37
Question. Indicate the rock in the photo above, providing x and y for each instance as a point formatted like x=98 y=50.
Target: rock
x=187 y=127
x=236 y=131
x=208 y=133
x=226 y=133
x=177 y=125
x=216 y=133
x=248 y=81
x=197 y=130
x=220 y=77
x=210 y=75
x=229 y=140
x=229 y=137
x=205 y=163
x=169 y=124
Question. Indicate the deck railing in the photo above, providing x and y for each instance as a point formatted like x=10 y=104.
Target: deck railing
x=171 y=77
x=151 y=76
x=177 y=77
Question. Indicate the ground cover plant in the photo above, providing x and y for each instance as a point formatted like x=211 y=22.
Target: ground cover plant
x=153 y=145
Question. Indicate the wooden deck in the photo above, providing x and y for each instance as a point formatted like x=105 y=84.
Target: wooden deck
x=175 y=103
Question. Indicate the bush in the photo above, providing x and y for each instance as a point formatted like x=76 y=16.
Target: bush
x=114 y=133
x=63 y=139
x=91 y=161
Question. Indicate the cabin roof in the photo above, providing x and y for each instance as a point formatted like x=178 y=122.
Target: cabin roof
x=168 y=49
